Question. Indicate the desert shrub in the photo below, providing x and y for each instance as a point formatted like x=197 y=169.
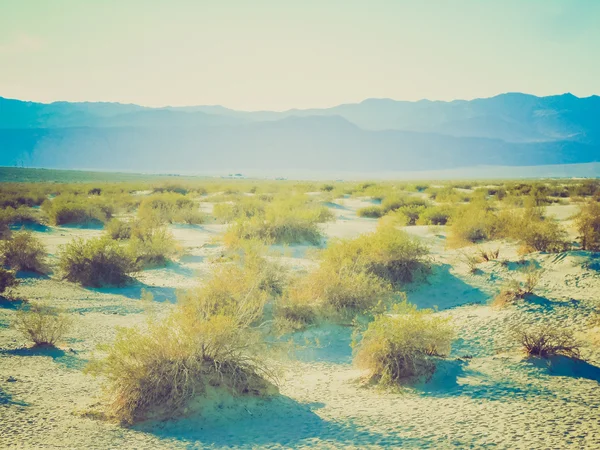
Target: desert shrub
x=403 y=345
x=516 y=290
x=118 y=230
x=543 y=235
x=337 y=294
x=548 y=340
x=371 y=211
x=447 y=195
x=283 y=222
x=208 y=342
x=435 y=215
x=327 y=187
x=169 y=207
x=389 y=253
x=8 y=279
x=23 y=252
x=42 y=324
x=409 y=215
x=96 y=262
x=588 y=226
x=488 y=255
x=473 y=223
x=245 y=207
x=17 y=216
x=71 y=209
x=151 y=245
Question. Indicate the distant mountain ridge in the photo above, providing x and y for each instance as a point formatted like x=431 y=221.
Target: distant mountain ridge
x=374 y=135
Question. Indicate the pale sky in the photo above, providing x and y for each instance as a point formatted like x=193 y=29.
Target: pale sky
x=281 y=54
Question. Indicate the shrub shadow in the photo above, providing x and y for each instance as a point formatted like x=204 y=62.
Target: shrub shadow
x=7 y=399
x=6 y=303
x=564 y=366
x=30 y=226
x=67 y=359
x=444 y=290
x=280 y=421
x=330 y=343
x=134 y=291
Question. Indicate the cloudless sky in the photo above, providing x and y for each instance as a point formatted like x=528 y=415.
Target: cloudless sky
x=280 y=54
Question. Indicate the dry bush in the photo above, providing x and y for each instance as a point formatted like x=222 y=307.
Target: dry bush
x=489 y=255
x=473 y=223
x=42 y=324
x=517 y=290
x=548 y=340
x=389 y=253
x=210 y=341
x=78 y=209
x=373 y=212
x=8 y=279
x=331 y=293
x=471 y=261
x=170 y=207
x=285 y=221
x=402 y=346
x=96 y=262
x=151 y=245
x=588 y=226
x=23 y=251
x=244 y=207
x=118 y=229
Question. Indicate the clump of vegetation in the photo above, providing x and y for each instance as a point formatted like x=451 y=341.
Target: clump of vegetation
x=337 y=294
x=588 y=226
x=151 y=245
x=403 y=346
x=23 y=252
x=243 y=208
x=516 y=290
x=8 y=279
x=291 y=221
x=389 y=253
x=547 y=340
x=42 y=324
x=72 y=209
x=489 y=255
x=211 y=341
x=96 y=262
x=118 y=230
x=372 y=212
x=170 y=207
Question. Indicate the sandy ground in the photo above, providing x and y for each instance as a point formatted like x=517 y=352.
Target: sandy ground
x=486 y=394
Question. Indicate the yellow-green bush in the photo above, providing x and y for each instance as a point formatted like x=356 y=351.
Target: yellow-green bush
x=208 y=342
x=588 y=226
x=42 y=324
x=388 y=253
x=151 y=245
x=23 y=251
x=170 y=207
x=118 y=230
x=96 y=262
x=71 y=209
x=373 y=212
x=403 y=346
x=8 y=279
x=337 y=294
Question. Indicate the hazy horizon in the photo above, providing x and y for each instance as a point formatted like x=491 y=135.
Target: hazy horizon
x=277 y=56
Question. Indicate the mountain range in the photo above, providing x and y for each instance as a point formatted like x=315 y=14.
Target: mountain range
x=372 y=136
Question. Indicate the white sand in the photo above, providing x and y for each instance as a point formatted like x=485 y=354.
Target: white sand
x=491 y=397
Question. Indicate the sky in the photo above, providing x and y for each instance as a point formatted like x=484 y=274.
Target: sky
x=282 y=54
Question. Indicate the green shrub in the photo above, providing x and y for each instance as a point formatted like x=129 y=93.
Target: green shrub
x=588 y=226
x=208 y=342
x=169 y=207
x=151 y=245
x=334 y=294
x=373 y=212
x=23 y=252
x=44 y=325
x=70 y=209
x=403 y=346
x=8 y=279
x=290 y=221
x=96 y=262
x=389 y=253
x=118 y=230
x=245 y=207
x=435 y=215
